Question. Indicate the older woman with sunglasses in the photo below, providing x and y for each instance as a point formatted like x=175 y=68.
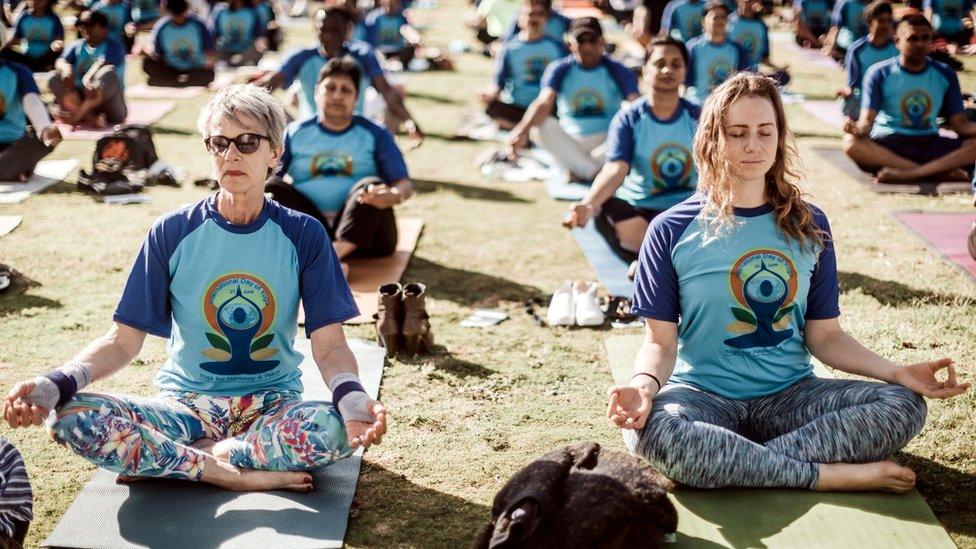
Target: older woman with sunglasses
x=344 y=170
x=221 y=279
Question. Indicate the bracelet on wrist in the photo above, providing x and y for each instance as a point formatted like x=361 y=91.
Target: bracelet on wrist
x=652 y=376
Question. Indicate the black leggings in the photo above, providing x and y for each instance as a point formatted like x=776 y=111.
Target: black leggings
x=372 y=230
x=161 y=74
x=43 y=63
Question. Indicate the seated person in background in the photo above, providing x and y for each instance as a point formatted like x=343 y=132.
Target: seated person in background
x=345 y=171
x=267 y=11
x=712 y=57
x=556 y=26
x=88 y=84
x=144 y=13
x=952 y=19
x=357 y=17
x=847 y=26
x=119 y=15
x=493 y=18
x=183 y=49
x=520 y=64
x=877 y=46
x=38 y=35
x=238 y=33
x=26 y=132
x=586 y=88
x=16 y=498
x=389 y=32
x=747 y=29
x=682 y=19
x=649 y=165
x=811 y=21
x=332 y=26
x=897 y=135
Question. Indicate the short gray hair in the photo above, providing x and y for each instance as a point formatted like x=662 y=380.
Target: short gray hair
x=238 y=101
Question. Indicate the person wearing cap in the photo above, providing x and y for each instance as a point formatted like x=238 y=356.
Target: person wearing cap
x=682 y=19
x=586 y=89
x=183 y=49
x=26 y=132
x=88 y=80
x=712 y=56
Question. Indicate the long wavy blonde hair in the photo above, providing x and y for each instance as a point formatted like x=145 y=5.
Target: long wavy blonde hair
x=793 y=214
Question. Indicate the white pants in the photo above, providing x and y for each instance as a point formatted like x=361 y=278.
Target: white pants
x=581 y=155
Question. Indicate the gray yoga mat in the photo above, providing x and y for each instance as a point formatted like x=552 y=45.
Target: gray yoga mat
x=610 y=270
x=170 y=514
x=791 y=518
x=561 y=188
x=839 y=160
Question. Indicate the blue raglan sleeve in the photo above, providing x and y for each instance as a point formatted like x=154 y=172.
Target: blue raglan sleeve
x=325 y=293
x=70 y=54
x=927 y=5
x=837 y=16
x=206 y=37
x=159 y=49
x=667 y=16
x=372 y=29
x=58 y=28
x=620 y=136
x=389 y=160
x=625 y=79
x=554 y=74
x=115 y=53
x=952 y=104
x=501 y=67
x=824 y=295
x=690 y=70
x=872 y=96
x=370 y=63
x=258 y=27
x=25 y=80
x=285 y=162
x=293 y=63
x=19 y=26
x=145 y=302
x=656 y=282
x=852 y=65
x=744 y=61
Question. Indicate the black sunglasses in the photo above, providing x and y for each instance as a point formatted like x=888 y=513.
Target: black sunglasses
x=246 y=143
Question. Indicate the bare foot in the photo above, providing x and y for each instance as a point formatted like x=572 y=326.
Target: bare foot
x=958 y=174
x=892 y=175
x=882 y=476
x=229 y=477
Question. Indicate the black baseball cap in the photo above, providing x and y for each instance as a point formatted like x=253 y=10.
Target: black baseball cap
x=584 y=25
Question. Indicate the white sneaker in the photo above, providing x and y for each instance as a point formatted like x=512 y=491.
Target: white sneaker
x=562 y=311
x=587 y=304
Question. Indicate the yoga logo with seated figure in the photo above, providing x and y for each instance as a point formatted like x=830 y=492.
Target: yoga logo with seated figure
x=718 y=71
x=764 y=283
x=534 y=67
x=671 y=165
x=240 y=309
x=916 y=108
x=182 y=49
x=750 y=42
x=587 y=102
x=331 y=163
x=236 y=31
x=36 y=34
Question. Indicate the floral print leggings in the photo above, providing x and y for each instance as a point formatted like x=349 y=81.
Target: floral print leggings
x=150 y=437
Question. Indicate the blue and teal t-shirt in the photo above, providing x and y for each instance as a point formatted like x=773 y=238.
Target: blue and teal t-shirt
x=682 y=19
x=182 y=47
x=227 y=297
x=235 y=30
x=117 y=14
x=16 y=81
x=587 y=99
x=324 y=165
x=520 y=65
x=848 y=17
x=815 y=14
x=383 y=30
x=711 y=64
x=304 y=66
x=861 y=56
x=143 y=11
x=659 y=153
x=948 y=15
x=82 y=56
x=740 y=300
x=753 y=36
x=37 y=32
x=557 y=26
x=908 y=103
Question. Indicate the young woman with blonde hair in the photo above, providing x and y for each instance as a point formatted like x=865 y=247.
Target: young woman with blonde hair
x=738 y=287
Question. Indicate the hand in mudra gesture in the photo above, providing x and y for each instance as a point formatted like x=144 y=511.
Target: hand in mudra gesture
x=629 y=406
x=921 y=378
x=365 y=434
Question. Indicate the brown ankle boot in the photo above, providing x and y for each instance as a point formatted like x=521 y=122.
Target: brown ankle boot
x=416 y=327
x=389 y=318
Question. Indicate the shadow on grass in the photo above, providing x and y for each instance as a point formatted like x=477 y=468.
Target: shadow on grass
x=446 y=363
x=467 y=287
x=169 y=130
x=15 y=298
x=412 y=94
x=889 y=292
x=949 y=492
x=465 y=191
x=390 y=510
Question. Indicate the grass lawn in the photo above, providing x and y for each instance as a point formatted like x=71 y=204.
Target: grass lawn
x=486 y=401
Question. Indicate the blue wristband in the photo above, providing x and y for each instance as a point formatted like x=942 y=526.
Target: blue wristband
x=67 y=386
x=344 y=389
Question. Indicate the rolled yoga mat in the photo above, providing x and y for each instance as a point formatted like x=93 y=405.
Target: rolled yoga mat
x=610 y=270
x=791 y=518
x=945 y=233
x=172 y=514
x=839 y=160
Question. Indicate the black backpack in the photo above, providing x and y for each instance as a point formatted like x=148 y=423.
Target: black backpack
x=121 y=161
x=129 y=146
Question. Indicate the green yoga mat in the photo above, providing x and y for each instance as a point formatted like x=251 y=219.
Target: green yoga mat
x=170 y=514
x=791 y=518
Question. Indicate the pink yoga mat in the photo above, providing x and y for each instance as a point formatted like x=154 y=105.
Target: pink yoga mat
x=828 y=112
x=145 y=91
x=141 y=113
x=945 y=233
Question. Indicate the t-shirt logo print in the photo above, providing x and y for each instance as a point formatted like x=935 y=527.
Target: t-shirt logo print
x=534 y=67
x=764 y=282
x=750 y=42
x=182 y=49
x=916 y=108
x=587 y=102
x=718 y=72
x=671 y=166
x=240 y=308
x=331 y=163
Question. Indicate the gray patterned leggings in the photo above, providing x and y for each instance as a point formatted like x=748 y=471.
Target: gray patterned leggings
x=707 y=441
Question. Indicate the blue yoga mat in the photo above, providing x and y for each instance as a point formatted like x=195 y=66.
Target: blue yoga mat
x=610 y=270
x=160 y=513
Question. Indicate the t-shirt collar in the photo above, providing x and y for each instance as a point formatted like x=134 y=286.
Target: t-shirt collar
x=238 y=229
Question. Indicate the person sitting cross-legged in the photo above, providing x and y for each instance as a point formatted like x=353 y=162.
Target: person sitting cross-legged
x=586 y=89
x=811 y=21
x=847 y=26
x=222 y=280
x=682 y=19
x=747 y=29
x=556 y=25
x=344 y=170
x=88 y=84
x=877 y=46
x=183 y=49
x=389 y=32
x=712 y=57
x=738 y=287
x=649 y=166
x=520 y=65
x=39 y=35
x=239 y=35
x=897 y=135
x=120 y=25
x=952 y=19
